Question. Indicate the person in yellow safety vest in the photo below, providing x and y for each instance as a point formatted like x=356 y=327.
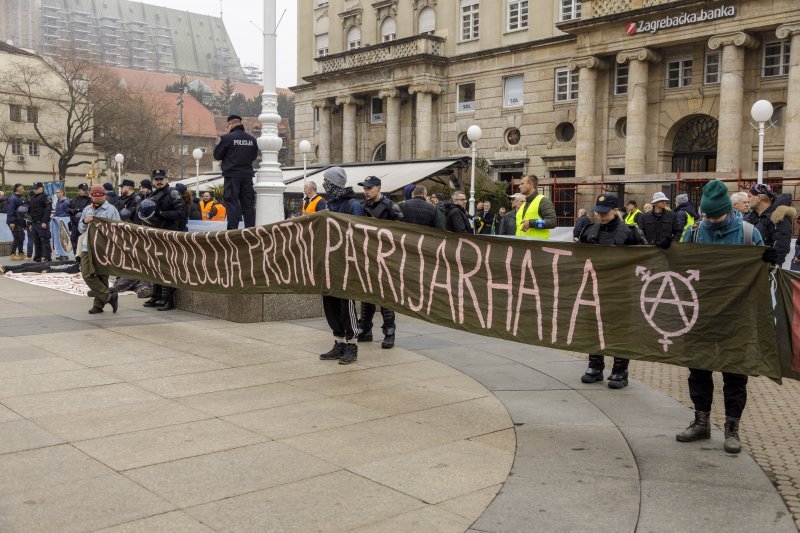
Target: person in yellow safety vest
x=685 y=213
x=537 y=216
x=313 y=202
x=634 y=215
x=210 y=209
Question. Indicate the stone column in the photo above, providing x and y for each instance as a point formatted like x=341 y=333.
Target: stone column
x=731 y=97
x=392 y=97
x=349 y=111
x=324 y=143
x=636 y=139
x=791 y=117
x=424 y=92
x=586 y=123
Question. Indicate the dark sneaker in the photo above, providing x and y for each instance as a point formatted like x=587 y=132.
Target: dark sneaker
x=592 y=375
x=618 y=380
x=364 y=336
x=350 y=354
x=335 y=353
x=388 y=341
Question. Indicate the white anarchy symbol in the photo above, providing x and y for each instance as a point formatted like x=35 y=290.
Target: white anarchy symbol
x=650 y=304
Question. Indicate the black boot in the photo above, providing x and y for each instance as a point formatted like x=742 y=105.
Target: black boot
x=697 y=430
x=732 y=443
x=168 y=295
x=155 y=300
x=334 y=353
x=595 y=371
x=619 y=374
x=388 y=328
x=364 y=332
x=350 y=354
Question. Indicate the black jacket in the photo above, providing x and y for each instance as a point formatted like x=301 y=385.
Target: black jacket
x=171 y=209
x=112 y=197
x=237 y=150
x=76 y=207
x=582 y=222
x=615 y=232
x=384 y=209
x=127 y=204
x=194 y=211
x=657 y=227
x=775 y=225
x=40 y=208
x=484 y=221
x=457 y=219
x=418 y=211
x=509 y=224
x=680 y=214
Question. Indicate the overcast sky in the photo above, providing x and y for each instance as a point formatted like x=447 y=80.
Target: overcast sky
x=246 y=38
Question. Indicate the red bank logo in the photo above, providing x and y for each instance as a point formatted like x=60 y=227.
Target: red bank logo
x=630 y=28
x=704 y=15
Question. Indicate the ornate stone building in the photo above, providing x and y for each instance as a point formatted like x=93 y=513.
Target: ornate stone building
x=566 y=89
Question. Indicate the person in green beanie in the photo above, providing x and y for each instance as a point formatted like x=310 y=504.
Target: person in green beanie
x=721 y=225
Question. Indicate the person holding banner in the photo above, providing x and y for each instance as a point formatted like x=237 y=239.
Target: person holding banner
x=609 y=229
x=60 y=219
x=722 y=225
x=537 y=216
x=98 y=284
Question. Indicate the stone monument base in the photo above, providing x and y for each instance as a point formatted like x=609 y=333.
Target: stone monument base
x=247 y=308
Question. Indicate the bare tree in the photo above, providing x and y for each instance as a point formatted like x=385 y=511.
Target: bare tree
x=5 y=145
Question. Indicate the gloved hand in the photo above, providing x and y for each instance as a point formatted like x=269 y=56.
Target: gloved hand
x=538 y=223
x=770 y=255
x=664 y=243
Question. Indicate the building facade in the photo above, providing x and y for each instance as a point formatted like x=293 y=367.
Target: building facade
x=566 y=89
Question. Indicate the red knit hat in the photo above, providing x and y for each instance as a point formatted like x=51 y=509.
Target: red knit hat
x=97 y=191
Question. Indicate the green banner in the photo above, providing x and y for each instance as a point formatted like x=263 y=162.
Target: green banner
x=692 y=305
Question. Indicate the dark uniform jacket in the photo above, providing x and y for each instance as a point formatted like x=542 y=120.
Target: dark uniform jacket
x=76 y=207
x=126 y=205
x=237 y=150
x=171 y=209
x=418 y=211
x=383 y=208
x=457 y=219
x=346 y=204
x=509 y=225
x=657 y=227
x=615 y=232
x=582 y=222
x=13 y=204
x=775 y=225
x=41 y=207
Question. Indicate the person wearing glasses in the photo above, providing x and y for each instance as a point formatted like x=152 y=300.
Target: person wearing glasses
x=772 y=214
x=456 y=217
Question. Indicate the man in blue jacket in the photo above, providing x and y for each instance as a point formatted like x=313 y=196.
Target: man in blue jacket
x=237 y=150
x=16 y=221
x=341 y=313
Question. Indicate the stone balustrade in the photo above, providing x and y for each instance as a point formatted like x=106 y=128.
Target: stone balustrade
x=417 y=45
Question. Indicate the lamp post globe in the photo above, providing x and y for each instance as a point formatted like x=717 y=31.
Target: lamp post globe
x=197 y=153
x=761 y=113
x=473 y=134
x=119 y=158
x=304 y=148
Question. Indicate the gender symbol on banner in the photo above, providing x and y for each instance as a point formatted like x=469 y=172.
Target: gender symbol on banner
x=650 y=304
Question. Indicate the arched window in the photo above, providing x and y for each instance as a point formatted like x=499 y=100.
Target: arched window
x=427 y=21
x=388 y=30
x=354 y=38
x=380 y=153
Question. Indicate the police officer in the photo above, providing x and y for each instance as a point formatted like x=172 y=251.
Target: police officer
x=75 y=210
x=163 y=209
x=40 y=209
x=126 y=203
x=609 y=229
x=377 y=206
x=237 y=150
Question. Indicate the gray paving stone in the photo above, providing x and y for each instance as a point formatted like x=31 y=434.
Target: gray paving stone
x=428 y=519
x=75 y=400
x=36 y=469
x=220 y=475
x=471 y=505
x=44 y=324
x=19 y=435
x=7 y=415
x=39 y=365
x=458 y=357
x=406 y=398
x=353 y=382
x=80 y=505
x=552 y=407
x=511 y=376
x=465 y=419
x=52 y=381
x=156 y=368
x=173 y=522
x=247 y=399
x=635 y=405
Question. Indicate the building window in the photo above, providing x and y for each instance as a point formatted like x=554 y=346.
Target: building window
x=470 y=19
x=322 y=3
x=33 y=114
x=33 y=147
x=380 y=153
x=513 y=136
x=565 y=132
x=463 y=141
x=776 y=59
x=377 y=111
x=621 y=79
x=517 y=14
x=570 y=9
x=466 y=98
x=15 y=112
x=513 y=90
x=427 y=21
x=354 y=38
x=566 y=85
x=316 y=118
x=322 y=45
x=679 y=73
x=621 y=127
x=388 y=30
x=16 y=146
x=711 y=70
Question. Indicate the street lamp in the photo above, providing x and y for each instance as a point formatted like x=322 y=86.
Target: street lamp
x=184 y=89
x=304 y=147
x=761 y=113
x=473 y=134
x=197 y=153
x=119 y=158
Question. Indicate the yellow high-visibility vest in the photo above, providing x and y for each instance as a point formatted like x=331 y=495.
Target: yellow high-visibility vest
x=689 y=221
x=532 y=232
x=630 y=218
x=312 y=205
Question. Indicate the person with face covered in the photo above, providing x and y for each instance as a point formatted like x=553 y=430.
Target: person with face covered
x=98 y=284
x=339 y=312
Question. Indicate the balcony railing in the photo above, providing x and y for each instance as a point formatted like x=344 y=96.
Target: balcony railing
x=393 y=50
x=602 y=8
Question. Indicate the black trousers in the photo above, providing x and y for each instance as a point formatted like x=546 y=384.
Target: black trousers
x=41 y=242
x=701 y=390
x=598 y=362
x=73 y=236
x=29 y=232
x=368 y=312
x=240 y=201
x=19 y=239
x=341 y=316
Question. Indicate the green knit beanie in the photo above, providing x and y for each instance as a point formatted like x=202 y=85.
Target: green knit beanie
x=715 y=201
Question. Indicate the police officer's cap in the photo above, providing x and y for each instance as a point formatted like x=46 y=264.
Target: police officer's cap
x=83 y=187
x=146 y=183
x=128 y=183
x=233 y=117
x=38 y=184
x=159 y=173
x=371 y=181
x=605 y=203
